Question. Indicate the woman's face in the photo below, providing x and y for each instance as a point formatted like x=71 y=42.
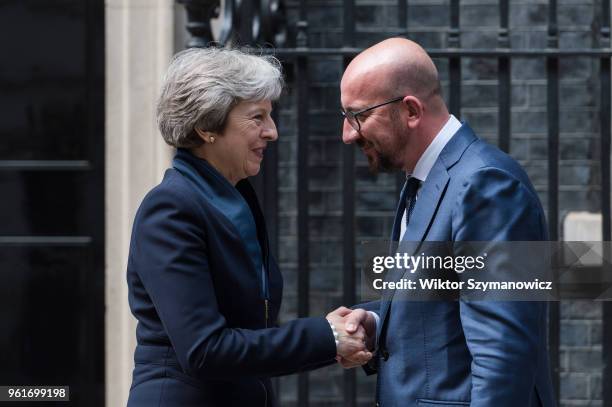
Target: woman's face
x=239 y=149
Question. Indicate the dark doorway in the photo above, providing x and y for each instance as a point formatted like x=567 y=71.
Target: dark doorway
x=52 y=196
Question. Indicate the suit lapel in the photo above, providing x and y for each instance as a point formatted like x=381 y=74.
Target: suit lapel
x=399 y=212
x=428 y=201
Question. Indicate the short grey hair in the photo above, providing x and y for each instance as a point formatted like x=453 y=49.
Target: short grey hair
x=202 y=85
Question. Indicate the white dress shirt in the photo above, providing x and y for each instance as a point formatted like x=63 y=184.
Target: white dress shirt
x=430 y=155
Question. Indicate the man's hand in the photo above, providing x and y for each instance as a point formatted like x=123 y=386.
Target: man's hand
x=356 y=330
x=365 y=320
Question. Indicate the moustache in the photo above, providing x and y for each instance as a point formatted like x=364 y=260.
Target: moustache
x=363 y=144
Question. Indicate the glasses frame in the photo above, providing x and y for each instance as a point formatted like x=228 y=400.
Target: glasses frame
x=352 y=118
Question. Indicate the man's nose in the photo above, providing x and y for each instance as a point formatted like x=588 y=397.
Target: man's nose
x=349 y=134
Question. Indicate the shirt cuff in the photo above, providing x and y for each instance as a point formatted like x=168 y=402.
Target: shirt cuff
x=333 y=328
x=377 y=319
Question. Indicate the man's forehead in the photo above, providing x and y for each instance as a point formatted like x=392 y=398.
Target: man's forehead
x=358 y=92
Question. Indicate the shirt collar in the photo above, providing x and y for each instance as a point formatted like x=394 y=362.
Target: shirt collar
x=431 y=153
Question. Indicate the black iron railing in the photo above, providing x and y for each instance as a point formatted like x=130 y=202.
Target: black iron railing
x=262 y=22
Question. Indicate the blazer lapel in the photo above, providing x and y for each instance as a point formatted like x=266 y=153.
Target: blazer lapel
x=428 y=200
x=226 y=199
x=399 y=213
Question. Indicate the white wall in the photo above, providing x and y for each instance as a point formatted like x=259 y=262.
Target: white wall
x=139 y=44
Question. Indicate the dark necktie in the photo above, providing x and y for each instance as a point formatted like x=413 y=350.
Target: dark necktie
x=412 y=186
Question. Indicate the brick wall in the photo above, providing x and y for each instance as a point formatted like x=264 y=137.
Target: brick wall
x=376 y=197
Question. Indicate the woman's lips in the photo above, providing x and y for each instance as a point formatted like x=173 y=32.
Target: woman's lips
x=259 y=152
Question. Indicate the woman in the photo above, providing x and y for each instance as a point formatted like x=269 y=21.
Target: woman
x=202 y=283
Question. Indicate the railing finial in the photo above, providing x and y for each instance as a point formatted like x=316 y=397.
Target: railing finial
x=199 y=16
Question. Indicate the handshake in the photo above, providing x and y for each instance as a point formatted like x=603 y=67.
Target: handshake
x=356 y=331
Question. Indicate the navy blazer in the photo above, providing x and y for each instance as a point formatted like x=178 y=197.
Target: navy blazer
x=476 y=353
x=207 y=333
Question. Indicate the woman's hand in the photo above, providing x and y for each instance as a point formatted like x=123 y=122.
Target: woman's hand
x=356 y=330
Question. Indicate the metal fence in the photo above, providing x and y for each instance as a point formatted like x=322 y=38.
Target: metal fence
x=263 y=22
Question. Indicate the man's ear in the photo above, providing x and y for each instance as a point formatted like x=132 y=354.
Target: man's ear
x=207 y=136
x=414 y=111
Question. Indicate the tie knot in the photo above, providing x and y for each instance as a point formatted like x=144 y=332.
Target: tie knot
x=412 y=185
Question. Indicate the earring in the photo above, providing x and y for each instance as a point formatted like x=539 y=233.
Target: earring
x=212 y=139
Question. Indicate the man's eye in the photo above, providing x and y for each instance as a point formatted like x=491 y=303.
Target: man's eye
x=258 y=117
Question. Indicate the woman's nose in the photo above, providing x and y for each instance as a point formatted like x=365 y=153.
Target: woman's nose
x=270 y=133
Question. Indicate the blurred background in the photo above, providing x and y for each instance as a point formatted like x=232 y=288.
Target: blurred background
x=80 y=148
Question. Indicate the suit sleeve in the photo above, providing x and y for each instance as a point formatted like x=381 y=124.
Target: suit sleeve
x=170 y=255
x=373 y=306
x=503 y=337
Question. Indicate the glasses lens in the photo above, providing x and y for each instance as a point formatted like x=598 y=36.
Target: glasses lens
x=350 y=118
x=352 y=121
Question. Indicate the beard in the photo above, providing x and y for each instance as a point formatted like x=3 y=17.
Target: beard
x=379 y=159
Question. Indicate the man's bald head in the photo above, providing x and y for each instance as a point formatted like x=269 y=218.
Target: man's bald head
x=393 y=90
x=394 y=67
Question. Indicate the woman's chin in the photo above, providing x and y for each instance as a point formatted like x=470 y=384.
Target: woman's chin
x=253 y=170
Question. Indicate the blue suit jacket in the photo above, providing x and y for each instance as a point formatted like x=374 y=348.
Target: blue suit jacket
x=478 y=353
x=203 y=335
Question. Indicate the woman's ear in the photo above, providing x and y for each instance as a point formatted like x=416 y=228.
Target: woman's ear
x=207 y=136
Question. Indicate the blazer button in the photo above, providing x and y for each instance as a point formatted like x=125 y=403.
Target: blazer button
x=385 y=354
x=377 y=404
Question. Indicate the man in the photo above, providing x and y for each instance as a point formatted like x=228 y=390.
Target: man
x=441 y=353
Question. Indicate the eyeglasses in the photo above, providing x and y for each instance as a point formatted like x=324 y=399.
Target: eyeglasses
x=351 y=117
